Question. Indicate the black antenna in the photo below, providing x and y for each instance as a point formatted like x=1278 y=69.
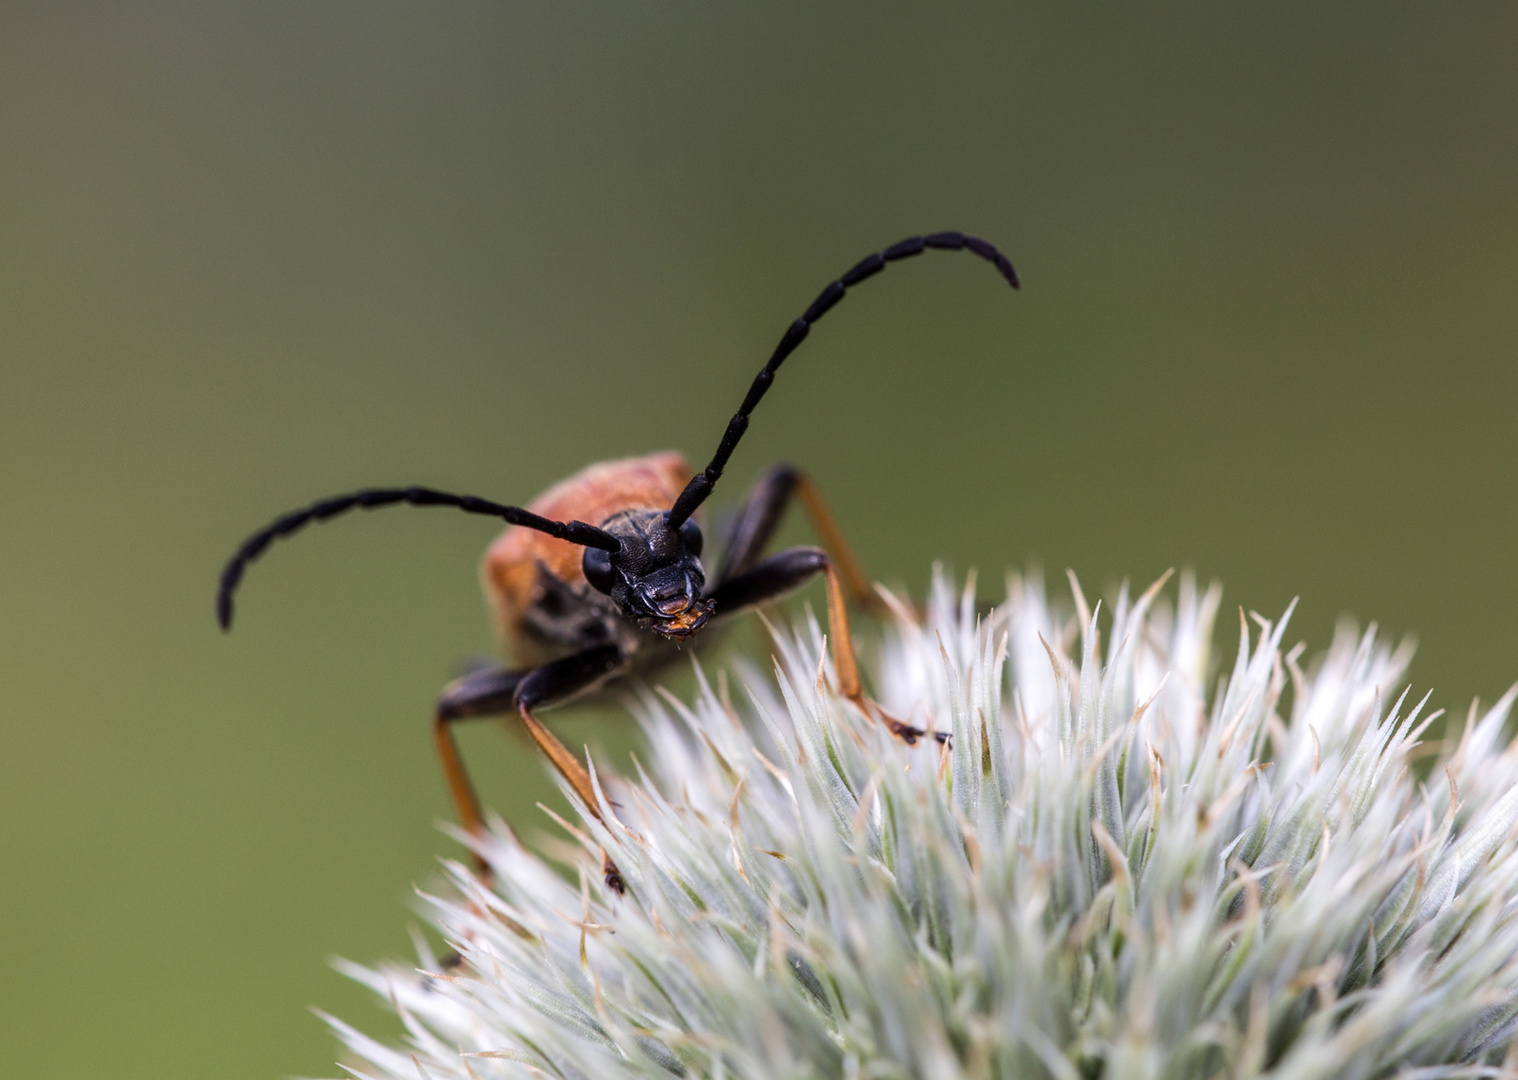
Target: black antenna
x=576 y=532
x=701 y=484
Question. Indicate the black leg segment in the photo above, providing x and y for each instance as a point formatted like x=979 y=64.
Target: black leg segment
x=756 y=521
x=488 y=692
x=564 y=680
x=771 y=579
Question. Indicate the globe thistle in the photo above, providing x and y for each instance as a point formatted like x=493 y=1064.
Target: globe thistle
x=1109 y=865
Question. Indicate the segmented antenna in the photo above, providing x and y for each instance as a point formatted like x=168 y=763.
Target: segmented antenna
x=576 y=532
x=701 y=484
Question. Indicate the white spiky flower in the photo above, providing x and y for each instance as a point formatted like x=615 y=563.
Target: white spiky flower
x=1108 y=871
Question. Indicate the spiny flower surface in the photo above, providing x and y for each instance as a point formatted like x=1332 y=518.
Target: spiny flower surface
x=1120 y=864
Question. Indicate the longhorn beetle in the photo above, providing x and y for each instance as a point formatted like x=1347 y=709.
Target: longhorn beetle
x=601 y=575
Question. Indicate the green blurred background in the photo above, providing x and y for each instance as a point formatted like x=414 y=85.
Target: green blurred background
x=255 y=253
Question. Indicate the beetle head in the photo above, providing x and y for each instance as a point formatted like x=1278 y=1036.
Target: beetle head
x=655 y=576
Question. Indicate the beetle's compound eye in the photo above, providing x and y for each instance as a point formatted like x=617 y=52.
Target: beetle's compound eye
x=690 y=532
x=598 y=571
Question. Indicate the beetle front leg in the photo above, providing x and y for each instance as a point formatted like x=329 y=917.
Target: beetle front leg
x=497 y=692
x=784 y=573
x=557 y=682
x=759 y=516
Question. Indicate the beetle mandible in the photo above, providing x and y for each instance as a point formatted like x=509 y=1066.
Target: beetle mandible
x=582 y=605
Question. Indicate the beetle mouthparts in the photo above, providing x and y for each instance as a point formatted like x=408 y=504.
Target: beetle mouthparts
x=687 y=622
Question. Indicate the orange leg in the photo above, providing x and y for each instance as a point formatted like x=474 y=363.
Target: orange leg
x=570 y=768
x=496 y=691
x=842 y=555
x=846 y=665
x=466 y=804
x=568 y=765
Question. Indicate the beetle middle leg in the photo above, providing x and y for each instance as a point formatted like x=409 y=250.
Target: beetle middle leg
x=496 y=692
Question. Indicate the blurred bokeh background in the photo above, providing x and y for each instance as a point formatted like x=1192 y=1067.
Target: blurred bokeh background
x=251 y=254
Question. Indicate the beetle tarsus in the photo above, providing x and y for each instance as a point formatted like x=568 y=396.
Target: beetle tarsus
x=612 y=876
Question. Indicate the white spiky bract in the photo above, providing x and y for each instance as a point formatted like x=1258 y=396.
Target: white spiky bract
x=1109 y=871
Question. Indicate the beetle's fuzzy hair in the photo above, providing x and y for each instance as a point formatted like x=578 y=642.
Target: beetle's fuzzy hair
x=1112 y=871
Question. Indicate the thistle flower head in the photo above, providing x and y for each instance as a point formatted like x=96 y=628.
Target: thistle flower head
x=1114 y=866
